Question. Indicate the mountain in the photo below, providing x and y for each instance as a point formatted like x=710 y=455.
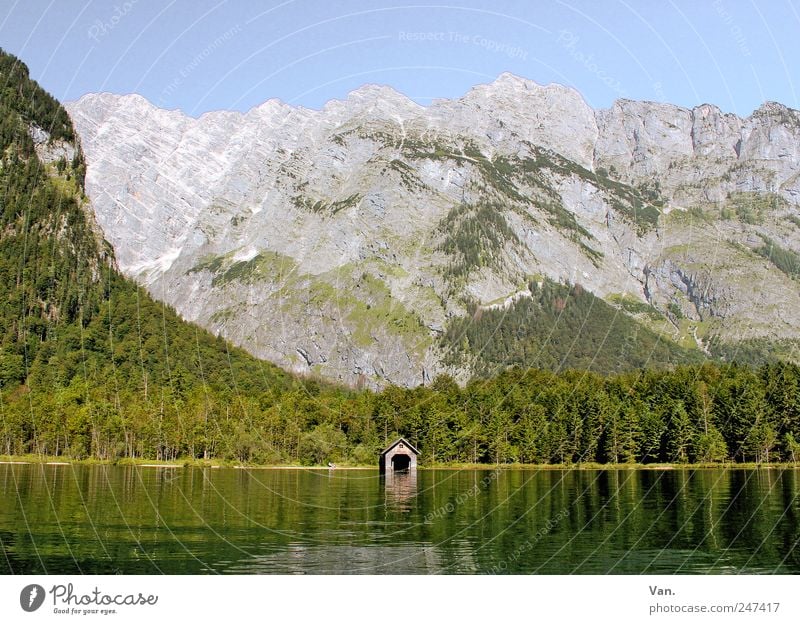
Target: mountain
x=90 y=365
x=379 y=241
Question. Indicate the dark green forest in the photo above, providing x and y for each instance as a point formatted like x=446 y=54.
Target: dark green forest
x=557 y=327
x=92 y=367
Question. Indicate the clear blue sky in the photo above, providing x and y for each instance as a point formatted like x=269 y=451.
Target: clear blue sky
x=202 y=55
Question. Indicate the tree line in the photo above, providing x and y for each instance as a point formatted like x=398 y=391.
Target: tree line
x=110 y=408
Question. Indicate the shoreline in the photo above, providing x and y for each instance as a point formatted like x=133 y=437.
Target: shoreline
x=21 y=460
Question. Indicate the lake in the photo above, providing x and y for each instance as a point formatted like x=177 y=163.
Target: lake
x=108 y=519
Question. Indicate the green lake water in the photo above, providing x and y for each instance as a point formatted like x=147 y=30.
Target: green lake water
x=106 y=519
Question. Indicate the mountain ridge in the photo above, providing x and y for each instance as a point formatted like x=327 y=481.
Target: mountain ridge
x=376 y=86
x=441 y=205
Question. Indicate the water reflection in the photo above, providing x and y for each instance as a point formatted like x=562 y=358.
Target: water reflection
x=400 y=488
x=101 y=519
x=355 y=559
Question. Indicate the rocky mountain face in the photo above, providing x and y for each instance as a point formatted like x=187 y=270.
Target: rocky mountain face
x=344 y=241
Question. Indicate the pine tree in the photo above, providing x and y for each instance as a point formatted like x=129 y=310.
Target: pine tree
x=680 y=433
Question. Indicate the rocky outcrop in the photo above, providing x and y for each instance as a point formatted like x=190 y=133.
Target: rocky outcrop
x=47 y=150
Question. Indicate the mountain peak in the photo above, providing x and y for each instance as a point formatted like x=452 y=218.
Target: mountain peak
x=371 y=101
x=508 y=83
x=372 y=91
x=776 y=109
x=507 y=78
x=107 y=98
x=368 y=98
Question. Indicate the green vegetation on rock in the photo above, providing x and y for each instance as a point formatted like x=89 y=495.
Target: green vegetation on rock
x=750 y=207
x=474 y=237
x=636 y=307
x=24 y=102
x=327 y=207
x=555 y=328
x=786 y=260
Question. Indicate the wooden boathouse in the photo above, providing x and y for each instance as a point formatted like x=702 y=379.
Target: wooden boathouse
x=399 y=455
